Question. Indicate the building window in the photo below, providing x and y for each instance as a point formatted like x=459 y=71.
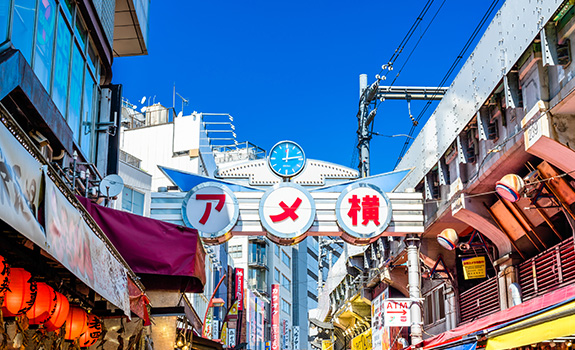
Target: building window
x=258 y=254
x=434 y=306
x=286 y=259
x=257 y=279
x=286 y=307
x=23 y=20
x=276 y=275
x=235 y=251
x=45 y=41
x=133 y=201
x=286 y=282
x=277 y=250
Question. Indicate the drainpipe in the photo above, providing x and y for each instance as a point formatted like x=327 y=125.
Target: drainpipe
x=414 y=280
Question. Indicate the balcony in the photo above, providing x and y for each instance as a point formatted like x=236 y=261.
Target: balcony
x=258 y=260
x=479 y=301
x=552 y=269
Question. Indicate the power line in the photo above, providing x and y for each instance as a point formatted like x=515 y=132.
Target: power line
x=459 y=57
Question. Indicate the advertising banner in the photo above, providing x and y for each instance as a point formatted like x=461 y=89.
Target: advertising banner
x=73 y=243
x=20 y=177
x=377 y=321
x=252 y=327
x=362 y=341
x=240 y=288
x=275 y=313
x=228 y=332
x=296 y=338
x=260 y=315
x=474 y=267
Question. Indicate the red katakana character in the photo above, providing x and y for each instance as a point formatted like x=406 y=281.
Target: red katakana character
x=221 y=198
x=355 y=208
x=288 y=211
x=370 y=206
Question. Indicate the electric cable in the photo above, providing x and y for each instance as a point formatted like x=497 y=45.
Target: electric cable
x=454 y=65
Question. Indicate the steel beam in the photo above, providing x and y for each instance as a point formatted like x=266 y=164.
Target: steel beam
x=411 y=93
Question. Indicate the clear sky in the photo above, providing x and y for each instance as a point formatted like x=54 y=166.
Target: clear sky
x=290 y=69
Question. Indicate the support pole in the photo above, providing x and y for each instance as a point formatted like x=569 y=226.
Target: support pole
x=414 y=279
x=363 y=132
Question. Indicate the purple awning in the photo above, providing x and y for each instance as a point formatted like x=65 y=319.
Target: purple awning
x=162 y=251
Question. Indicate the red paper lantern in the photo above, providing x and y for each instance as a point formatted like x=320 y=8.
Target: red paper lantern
x=76 y=323
x=59 y=313
x=44 y=304
x=91 y=336
x=21 y=293
x=510 y=187
x=4 y=275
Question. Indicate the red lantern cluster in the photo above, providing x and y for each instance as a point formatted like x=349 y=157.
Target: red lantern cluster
x=45 y=306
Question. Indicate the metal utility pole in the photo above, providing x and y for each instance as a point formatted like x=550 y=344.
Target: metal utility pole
x=414 y=280
x=365 y=117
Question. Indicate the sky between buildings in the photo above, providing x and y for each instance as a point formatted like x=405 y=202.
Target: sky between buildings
x=290 y=69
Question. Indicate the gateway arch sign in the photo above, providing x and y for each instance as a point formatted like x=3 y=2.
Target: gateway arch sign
x=322 y=199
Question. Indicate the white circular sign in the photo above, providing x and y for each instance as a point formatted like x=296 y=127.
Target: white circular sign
x=287 y=211
x=363 y=211
x=211 y=208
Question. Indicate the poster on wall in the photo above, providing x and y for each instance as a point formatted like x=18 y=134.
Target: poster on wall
x=73 y=243
x=362 y=341
x=474 y=267
x=20 y=177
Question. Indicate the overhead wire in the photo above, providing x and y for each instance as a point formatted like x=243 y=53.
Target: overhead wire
x=453 y=66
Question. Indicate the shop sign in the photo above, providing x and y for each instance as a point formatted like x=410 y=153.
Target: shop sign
x=252 y=317
x=363 y=212
x=296 y=338
x=260 y=312
x=240 y=288
x=275 y=313
x=231 y=337
x=362 y=341
x=228 y=333
x=73 y=243
x=397 y=312
x=287 y=211
x=215 y=329
x=326 y=345
x=474 y=267
x=377 y=321
x=208 y=323
x=20 y=176
x=212 y=209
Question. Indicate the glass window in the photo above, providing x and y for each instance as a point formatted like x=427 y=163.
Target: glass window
x=88 y=116
x=286 y=307
x=23 y=26
x=81 y=32
x=133 y=201
x=258 y=254
x=4 y=20
x=286 y=282
x=276 y=275
x=277 y=250
x=92 y=58
x=76 y=83
x=62 y=65
x=285 y=258
x=47 y=11
x=235 y=251
x=68 y=9
x=257 y=279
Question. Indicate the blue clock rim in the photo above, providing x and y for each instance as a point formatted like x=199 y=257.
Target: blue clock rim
x=283 y=175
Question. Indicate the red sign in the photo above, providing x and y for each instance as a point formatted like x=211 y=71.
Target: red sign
x=240 y=288
x=275 y=317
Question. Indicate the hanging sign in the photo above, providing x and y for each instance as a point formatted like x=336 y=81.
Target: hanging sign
x=240 y=288
x=287 y=212
x=275 y=317
x=363 y=212
x=362 y=341
x=474 y=267
x=212 y=209
x=397 y=312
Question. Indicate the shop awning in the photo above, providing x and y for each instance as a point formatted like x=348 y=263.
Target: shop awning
x=555 y=323
x=163 y=251
x=527 y=308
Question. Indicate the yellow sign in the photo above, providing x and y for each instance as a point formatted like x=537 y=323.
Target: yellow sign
x=362 y=341
x=326 y=345
x=474 y=267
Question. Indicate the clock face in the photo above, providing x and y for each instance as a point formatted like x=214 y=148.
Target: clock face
x=286 y=159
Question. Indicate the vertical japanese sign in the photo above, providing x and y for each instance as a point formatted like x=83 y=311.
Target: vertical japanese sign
x=377 y=322
x=363 y=212
x=252 y=327
x=240 y=288
x=260 y=312
x=275 y=317
x=296 y=338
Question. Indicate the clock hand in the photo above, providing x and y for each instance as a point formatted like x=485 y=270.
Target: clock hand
x=289 y=158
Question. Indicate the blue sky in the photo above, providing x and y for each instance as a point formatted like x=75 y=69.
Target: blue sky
x=290 y=69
